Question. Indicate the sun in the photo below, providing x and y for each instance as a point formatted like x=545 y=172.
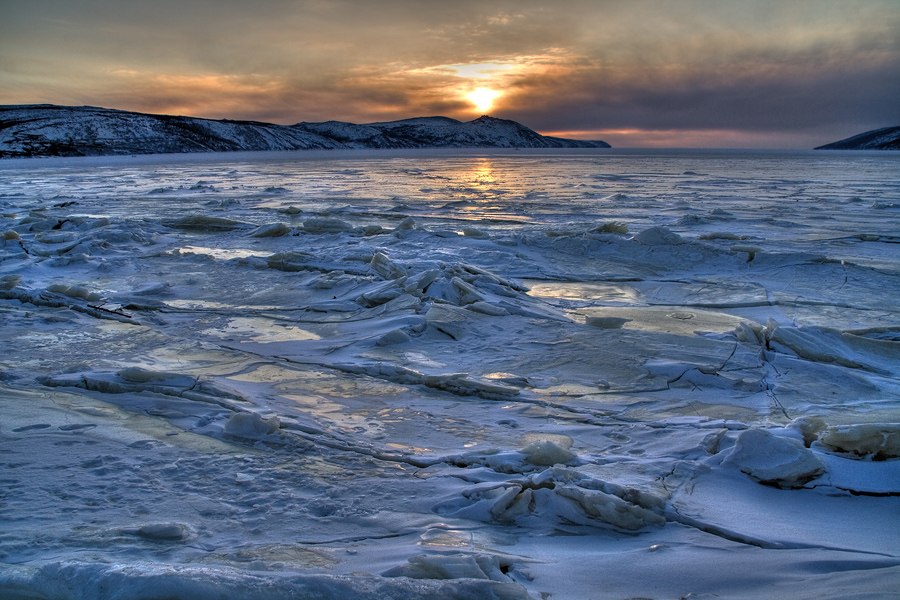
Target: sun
x=483 y=98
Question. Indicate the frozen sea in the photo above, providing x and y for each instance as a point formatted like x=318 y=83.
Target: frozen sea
x=566 y=374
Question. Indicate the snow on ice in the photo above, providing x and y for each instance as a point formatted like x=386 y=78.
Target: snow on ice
x=450 y=374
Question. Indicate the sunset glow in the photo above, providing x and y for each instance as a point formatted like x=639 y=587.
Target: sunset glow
x=729 y=73
x=483 y=98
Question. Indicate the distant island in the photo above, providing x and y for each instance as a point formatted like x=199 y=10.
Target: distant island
x=50 y=130
x=886 y=138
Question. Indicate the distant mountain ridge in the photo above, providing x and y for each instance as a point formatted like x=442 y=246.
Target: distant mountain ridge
x=51 y=130
x=886 y=138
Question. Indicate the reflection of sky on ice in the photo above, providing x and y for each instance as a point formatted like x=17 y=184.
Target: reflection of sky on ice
x=766 y=195
x=383 y=383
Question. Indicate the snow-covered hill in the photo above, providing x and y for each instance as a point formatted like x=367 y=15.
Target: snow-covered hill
x=49 y=130
x=886 y=138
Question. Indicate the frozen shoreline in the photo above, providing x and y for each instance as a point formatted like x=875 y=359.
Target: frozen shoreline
x=451 y=374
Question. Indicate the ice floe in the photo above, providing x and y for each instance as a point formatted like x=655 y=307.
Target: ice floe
x=450 y=375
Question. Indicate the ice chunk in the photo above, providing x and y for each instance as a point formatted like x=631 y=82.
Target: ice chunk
x=70 y=259
x=448 y=319
x=416 y=284
x=382 y=292
x=373 y=230
x=467 y=292
x=454 y=566
x=161 y=531
x=142 y=375
x=611 y=509
x=326 y=225
x=407 y=224
x=270 y=230
x=773 y=460
x=613 y=198
x=250 y=425
x=563 y=495
x=721 y=235
x=8 y=282
x=152 y=288
x=462 y=384
x=483 y=276
x=204 y=223
x=82 y=223
x=385 y=267
x=511 y=503
x=753 y=333
x=475 y=233
x=289 y=261
x=397 y=336
x=612 y=227
x=546 y=453
x=136 y=380
x=455 y=383
x=659 y=236
x=863 y=477
x=825 y=344
x=57 y=237
x=878 y=440
x=74 y=291
x=690 y=220
x=809 y=428
x=487 y=308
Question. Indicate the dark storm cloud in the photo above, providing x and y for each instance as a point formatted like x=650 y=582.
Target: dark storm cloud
x=852 y=98
x=819 y=67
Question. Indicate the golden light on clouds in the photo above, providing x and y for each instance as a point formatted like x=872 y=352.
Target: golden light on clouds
x=494 y=77
x=481 y=70
x=638 y=73
x=482 y=98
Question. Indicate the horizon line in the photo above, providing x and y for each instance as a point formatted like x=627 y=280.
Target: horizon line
x=622 y=137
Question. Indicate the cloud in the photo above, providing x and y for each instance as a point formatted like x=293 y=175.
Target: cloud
x=573 y=65
x=754 y=99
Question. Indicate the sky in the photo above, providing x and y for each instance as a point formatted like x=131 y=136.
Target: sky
x=634 y=73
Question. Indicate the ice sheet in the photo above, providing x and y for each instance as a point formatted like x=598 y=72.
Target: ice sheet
x=450 y=374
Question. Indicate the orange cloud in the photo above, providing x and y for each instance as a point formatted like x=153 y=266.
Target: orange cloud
x=641 y=66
